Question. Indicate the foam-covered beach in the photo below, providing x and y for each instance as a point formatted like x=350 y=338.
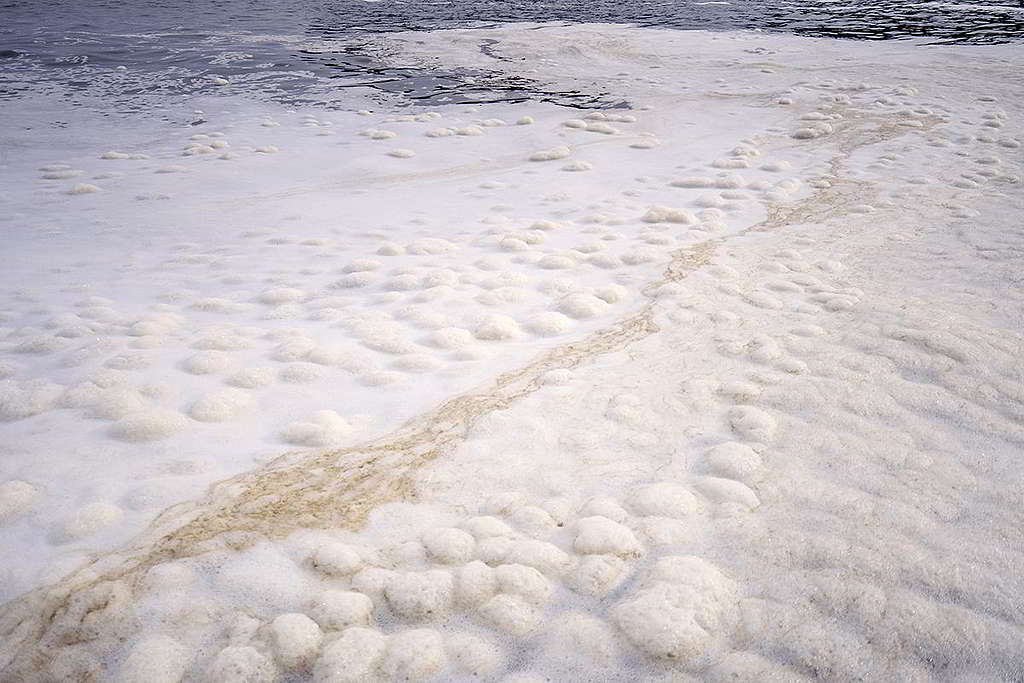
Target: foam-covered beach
x=719 y=384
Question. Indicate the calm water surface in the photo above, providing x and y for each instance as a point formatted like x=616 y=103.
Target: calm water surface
x=136 y=55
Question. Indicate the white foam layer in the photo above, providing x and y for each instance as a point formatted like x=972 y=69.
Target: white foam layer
x=731 y=400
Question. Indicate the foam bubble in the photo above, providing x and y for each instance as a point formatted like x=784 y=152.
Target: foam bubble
x=486 y=526
x=475 y=583
x=604 y=507
x=338 y=609
x=666 y=214
x=752 y=424
x=681 y=613
x=498 y=327
x=450 y=338
x=430 y=246
x=548 y=324
x=241 y=664
x=511 y=614
x=582 y=306
x=252 y=378
x=296 y=639
x=326 y=428
x=419 y=595
x=734 y=460
x=352 y=658
x=552 y=154
x=693 y=182
x=494 y=550
x=42 y=344
x=810 y=133
x=158 y=659
x=148 y=425
x=413 y=655
x=417 y=362
x=221 y=341
x=601 y=536
x=354 y=280
x=639 y=255
x=534 y=520
x=720 y=490
x=336 y=559
x=576 y=643
x=646 y=143
x=8 y=369
x=762 y=299
x=474 y=655
x=611 y=294
x=663 y=499
x=523 y=581
x=739 y=391
x=88 y=520
x=540 y=555
x=106 y=378
x=598 y=575
x=19 y=400
x=337 y=355
x=83 y=188
x=16 y=497
x=207 y=363
x=513 y=244
x=362 y=265
x=562 y=509
x=220 y=406
x=379 y=378
x=293 y=349
x=556 y=262
x=116 y=402
x=578 y=165
x=282 y=295
x=709 y=201
x=449 y=546
x=300 y=373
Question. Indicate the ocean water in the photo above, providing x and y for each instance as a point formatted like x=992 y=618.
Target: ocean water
x=137 y=56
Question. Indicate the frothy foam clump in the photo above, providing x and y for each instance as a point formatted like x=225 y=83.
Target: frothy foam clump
x=16 y=497
x=549 y=324
x=326 y=428
x=552 y=154
x=148 y=425
x=220 y=406
x=682 y=612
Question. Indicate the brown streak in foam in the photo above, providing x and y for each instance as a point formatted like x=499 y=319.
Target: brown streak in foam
x=284 y=496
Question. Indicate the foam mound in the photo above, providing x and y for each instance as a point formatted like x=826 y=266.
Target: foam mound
x=148 y=425
x=326 y=428
x=681 y=613
x=220 y=406
x=16 y=497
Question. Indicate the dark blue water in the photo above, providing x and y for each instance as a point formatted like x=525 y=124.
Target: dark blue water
x=300 y=51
